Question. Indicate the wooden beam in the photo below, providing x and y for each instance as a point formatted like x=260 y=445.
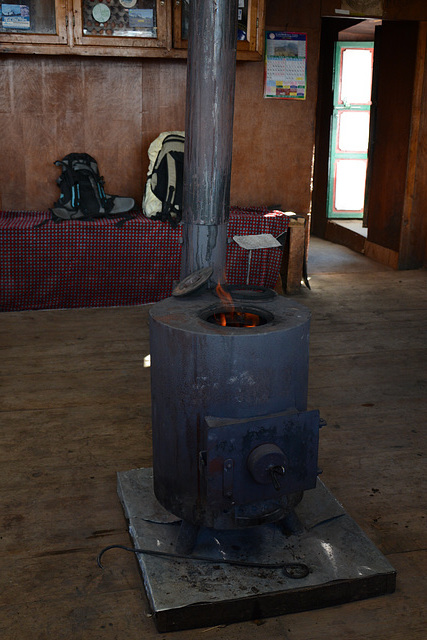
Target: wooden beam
x=381 y=254
x=411 y=217
x=291 y=270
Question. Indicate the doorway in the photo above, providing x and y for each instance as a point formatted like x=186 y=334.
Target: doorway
x=338 y=36
x=395 y=156
x=352 y=85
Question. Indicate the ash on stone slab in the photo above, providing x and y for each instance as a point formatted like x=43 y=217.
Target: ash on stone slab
x=344 y=565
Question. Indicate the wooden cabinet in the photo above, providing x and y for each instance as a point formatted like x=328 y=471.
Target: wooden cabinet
x=135 y=28
x=30 y=23
x=125 y=24
x=251 y=19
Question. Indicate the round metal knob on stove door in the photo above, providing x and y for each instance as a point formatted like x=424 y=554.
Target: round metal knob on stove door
x=266 y=464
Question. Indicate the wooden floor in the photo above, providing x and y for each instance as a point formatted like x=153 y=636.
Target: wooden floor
x=75 y=409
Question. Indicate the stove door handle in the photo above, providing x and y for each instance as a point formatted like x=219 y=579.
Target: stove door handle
x=277 y=472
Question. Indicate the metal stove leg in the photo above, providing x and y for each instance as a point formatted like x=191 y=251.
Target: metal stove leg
x=187 y=538
x=291 y=525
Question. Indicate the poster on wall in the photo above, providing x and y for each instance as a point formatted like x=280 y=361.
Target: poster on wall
x=15 y=16
x=285 y=69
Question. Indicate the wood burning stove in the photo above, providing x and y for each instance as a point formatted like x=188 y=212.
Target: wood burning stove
x=233 y=442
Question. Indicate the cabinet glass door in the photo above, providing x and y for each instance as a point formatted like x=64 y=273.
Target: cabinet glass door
x=121 y=22
x=33 y=21
x=248 y=21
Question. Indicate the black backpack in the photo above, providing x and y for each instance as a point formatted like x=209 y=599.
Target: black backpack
x=163 y=191
x=82 y=191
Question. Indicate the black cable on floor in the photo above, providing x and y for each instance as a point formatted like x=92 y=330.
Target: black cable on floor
x=295 y=570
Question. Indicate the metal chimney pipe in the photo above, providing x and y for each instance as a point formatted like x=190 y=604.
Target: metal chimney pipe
x=211 y=71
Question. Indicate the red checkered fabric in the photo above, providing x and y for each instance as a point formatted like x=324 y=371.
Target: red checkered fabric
x=102 y=263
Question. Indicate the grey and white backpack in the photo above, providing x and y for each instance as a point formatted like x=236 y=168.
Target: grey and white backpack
x=82 y=191
x=164 y=187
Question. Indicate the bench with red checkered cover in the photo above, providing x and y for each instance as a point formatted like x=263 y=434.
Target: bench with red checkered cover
x=49 y=265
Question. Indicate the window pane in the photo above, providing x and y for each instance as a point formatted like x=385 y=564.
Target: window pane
x=350 y=176
x=28 y=16
x=134 y=18
x=353 y=131
x=242 y=19
x=185 y=16
x=356 y=76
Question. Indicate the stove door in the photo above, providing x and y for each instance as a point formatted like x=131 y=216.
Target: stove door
x=263 y=458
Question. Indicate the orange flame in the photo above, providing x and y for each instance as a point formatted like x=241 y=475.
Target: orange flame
x=224 y=295
x=226 y=298
x=231 y=317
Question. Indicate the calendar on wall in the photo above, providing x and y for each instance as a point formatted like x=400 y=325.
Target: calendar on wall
x=285 y=72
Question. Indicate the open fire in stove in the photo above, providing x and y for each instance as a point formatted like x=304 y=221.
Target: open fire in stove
x=235 y=317
x=230 y=315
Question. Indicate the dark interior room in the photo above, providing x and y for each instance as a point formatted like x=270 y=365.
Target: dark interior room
x=330 y=188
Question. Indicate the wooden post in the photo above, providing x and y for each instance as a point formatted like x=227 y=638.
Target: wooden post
x=211 y=71
x=292 y=267
x=411 y=250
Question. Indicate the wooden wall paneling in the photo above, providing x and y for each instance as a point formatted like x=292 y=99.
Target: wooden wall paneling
x=48 y=119
x=63 y=97
x=151 y=114
x=163 y=102
x=398 y=10
x=6 y=79
x=24 y=103
x=38 y=133
x=287 y=15
x=273 y=141
x=55 y=130
x=164 y=95
x=393 y=125
x=111 y=120
x=276 y=168
x=63 y=105
x=9 y=133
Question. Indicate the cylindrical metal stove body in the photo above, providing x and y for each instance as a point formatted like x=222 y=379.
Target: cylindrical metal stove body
x=202 y=373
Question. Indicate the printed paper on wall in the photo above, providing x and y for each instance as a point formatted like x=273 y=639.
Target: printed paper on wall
x=285 y=65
